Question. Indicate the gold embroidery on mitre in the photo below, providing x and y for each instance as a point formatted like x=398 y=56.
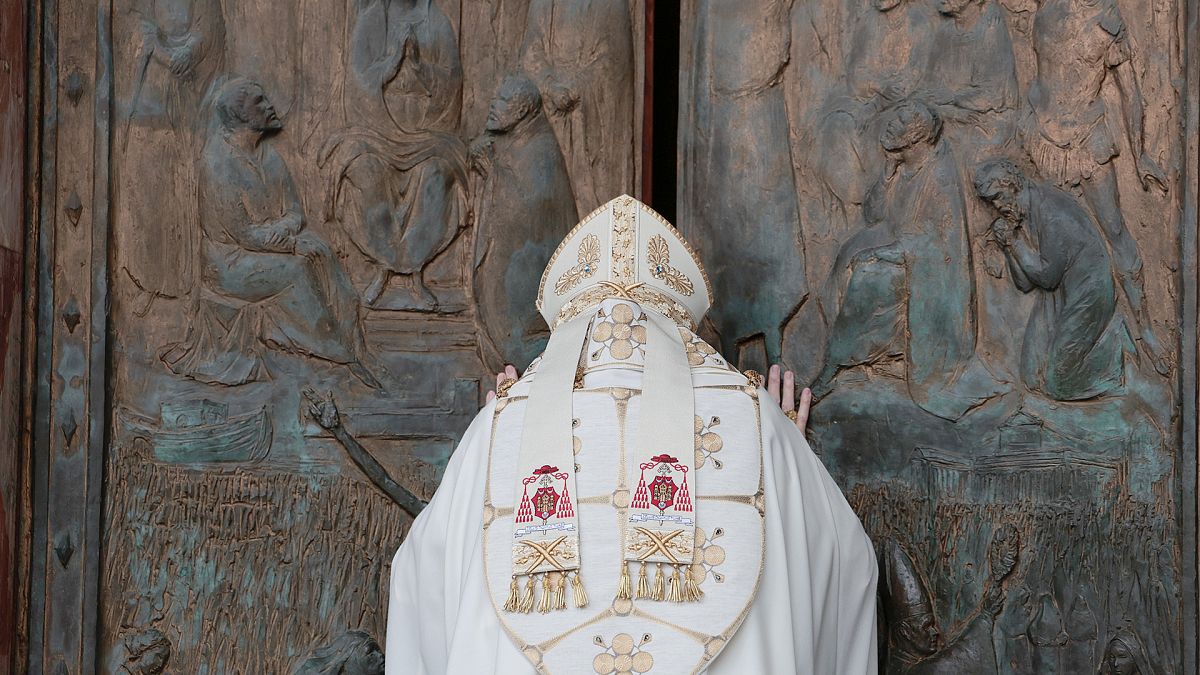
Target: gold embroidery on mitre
x=645 y=296
x=624 y=220
x=588 y=262
x=658 y=255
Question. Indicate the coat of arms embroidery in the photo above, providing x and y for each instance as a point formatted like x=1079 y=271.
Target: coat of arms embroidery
x=547 y=502
x=663 y=492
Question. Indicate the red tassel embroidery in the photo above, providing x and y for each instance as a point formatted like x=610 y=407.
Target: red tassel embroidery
x=565 y=509
x=641 y=497
x=684 y=501
x=525 y=511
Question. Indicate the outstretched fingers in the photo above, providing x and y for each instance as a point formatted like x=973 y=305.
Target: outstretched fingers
x=781 y=385
x=509 y=373
x=802 y=411
x=789 y=392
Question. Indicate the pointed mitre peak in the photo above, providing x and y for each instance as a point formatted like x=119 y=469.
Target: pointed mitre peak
x=906 y=594
x=625 y=249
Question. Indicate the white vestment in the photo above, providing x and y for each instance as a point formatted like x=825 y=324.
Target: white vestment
x=810 y=610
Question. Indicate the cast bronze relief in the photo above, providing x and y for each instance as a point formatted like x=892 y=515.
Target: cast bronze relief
x=984 y=274
x=968 y=216
x=355 y=211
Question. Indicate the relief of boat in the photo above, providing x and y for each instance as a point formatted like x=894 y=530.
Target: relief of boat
x=199 y=432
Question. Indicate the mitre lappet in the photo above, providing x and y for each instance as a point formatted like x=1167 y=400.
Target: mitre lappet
x=623 y=251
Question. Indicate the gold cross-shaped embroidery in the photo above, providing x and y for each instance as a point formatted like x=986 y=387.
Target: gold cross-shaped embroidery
x=659 y=543
x=545 y=553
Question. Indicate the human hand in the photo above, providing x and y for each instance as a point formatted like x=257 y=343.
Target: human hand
x=183 y=60
x=1151 y=174
x=309 y=247
x=1003 y=230
x=893 y=90
x=504 y=380
x=993 y=259
x=785 y=396
x=480 y=154
x=323 y=410
x=562 y=98
x=280 y=241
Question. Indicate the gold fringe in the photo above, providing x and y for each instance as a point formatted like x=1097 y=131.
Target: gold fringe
x=624 y=586
x=643 y=586
x=581 y=598
x=547 y=602
x=514 y=596
x=659 y=585
x=560 y=593
x=691 y=588
x=527 y=600
x=676 y=592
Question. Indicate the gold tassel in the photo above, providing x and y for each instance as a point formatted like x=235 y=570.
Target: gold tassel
x=691 y=588
x=527 y=600
x=676 y=592
x=643 y=587
x=624 y=586
x=547 y=602
x=514 y=596
x=581 y=598
x=560 y=593
x=660 y=585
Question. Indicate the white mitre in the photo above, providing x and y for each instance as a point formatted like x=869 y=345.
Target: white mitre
x=625 y=248
x=631 y=504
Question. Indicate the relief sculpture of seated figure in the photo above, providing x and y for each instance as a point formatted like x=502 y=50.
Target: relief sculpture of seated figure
x=267 y=282
x=398 y=173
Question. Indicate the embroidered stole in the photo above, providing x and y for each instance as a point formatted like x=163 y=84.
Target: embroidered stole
x=545 y=543
x=661 y=523
x=660 y=530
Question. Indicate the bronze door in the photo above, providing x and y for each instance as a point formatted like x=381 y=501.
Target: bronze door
x=969 y=226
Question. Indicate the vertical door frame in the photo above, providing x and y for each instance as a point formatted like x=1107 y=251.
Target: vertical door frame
x=71 y=68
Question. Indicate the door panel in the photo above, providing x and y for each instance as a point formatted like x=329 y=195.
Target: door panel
x=970 y=228
x=249 y=201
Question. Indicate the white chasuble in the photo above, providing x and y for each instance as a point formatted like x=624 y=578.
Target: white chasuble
x=540 y=554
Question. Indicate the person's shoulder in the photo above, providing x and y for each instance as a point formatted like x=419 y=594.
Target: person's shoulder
x=472 y=448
